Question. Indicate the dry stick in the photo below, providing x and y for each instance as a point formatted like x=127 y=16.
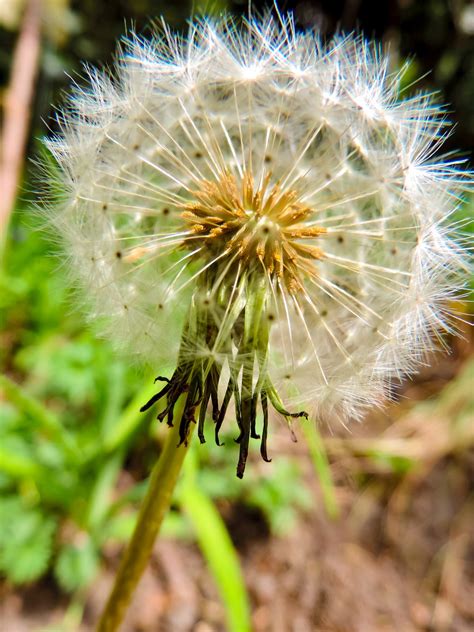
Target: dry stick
x=154 y=507
x=16 y=113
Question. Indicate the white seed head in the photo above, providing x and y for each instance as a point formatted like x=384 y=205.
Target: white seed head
x=275 y=185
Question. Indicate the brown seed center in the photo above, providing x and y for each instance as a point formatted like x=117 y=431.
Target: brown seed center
x=264 y=227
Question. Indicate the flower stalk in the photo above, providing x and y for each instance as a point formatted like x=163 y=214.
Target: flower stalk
x=152 y=512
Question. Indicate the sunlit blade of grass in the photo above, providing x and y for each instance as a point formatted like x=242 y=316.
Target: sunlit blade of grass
x=221 y=557
x=217 y=547
x=101 y=495
x=46 y=420
x=19 y=466
x=130 y=419
x=114 y=394
x=322 y=468
x=72 y=617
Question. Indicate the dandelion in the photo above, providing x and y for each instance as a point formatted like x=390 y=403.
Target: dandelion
x=262 y=210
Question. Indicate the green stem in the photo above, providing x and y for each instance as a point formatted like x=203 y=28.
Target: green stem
x=152 y=512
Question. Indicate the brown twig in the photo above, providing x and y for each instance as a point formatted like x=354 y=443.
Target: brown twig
x=16 y=111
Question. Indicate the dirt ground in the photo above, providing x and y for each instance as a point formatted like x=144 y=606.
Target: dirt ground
x=400 y=557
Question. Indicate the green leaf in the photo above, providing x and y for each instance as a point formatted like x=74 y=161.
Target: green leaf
x=46 y=420
x=76 y=564
x=280 y=495
x=395 y=463
x=26 y=540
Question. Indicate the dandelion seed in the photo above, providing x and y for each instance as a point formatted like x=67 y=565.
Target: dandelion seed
x=263 y=211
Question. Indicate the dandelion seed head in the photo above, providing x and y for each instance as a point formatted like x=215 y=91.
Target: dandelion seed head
x=263 y=210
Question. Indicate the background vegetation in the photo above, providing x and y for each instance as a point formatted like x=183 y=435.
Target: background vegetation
x=346 y=531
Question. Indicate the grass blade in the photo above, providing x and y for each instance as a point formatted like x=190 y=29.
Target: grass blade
x=322 y=468
x=218 y=550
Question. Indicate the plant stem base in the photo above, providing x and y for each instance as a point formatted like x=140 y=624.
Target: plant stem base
x=152 y=512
